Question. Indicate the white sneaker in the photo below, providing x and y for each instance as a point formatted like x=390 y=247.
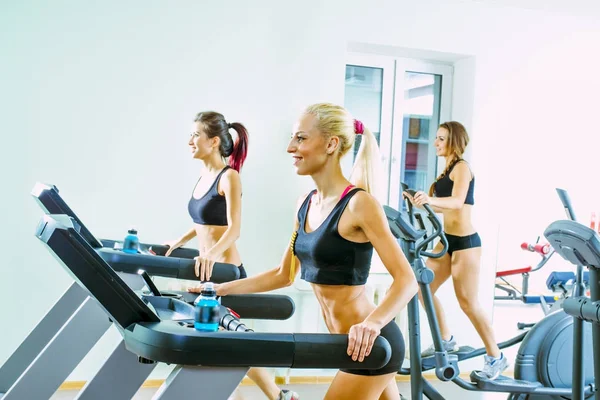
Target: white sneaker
x=493 y=367
x=449 y=346
x=288 y=395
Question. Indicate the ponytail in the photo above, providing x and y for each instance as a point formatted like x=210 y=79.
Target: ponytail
x=368 y=172
x=240 y=148
x=431 y=192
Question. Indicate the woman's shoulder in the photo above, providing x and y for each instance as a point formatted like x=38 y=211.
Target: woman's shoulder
x=461 y=168
x=364 y=204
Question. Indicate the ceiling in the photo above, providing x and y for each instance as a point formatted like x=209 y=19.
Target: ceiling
x=589 y=8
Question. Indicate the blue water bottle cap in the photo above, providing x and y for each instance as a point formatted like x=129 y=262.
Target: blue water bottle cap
x=209 y=289
x=132 y=231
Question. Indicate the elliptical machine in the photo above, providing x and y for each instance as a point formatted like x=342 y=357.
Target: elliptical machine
x=544 y=366
x=413 y=242
x=581 y=246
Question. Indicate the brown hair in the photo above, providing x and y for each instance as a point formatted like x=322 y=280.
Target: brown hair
x=215 y=125
x=458 y=139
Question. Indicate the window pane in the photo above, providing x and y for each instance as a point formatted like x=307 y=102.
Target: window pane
x=420 y=122
x=363 y=97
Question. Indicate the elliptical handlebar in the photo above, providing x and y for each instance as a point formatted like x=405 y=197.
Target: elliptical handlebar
x=409 y=205
x=545 y=258
x=437 y=229
x=566 y=202
x=438 y=232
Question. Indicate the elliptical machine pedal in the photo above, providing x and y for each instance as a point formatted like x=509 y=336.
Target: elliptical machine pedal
x=463 y=353
x=501 y=383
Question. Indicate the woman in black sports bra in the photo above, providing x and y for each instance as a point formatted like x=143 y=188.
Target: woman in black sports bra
x=335 y=230
x=215 y=203
x=215 y=208
x=452 y=194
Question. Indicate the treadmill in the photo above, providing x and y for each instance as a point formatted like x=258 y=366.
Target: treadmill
x=158 y=329
x=180 y=265
x=55 y=347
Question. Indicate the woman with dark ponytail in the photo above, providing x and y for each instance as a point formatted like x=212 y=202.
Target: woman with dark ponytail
x=216 y=209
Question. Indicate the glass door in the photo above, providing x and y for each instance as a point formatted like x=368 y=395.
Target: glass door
x=423 y=95
x=369 y=88
x=402 y=102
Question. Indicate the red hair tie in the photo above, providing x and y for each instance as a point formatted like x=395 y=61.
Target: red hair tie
x=359 y=128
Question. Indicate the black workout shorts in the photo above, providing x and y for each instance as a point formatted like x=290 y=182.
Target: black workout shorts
x=243 y=273
x=456 y=243
x=393 y=335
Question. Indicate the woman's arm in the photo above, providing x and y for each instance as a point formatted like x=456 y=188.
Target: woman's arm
x=372 y=221
x=370 y=218
x=265 y=282
x=461 y=176
x=275 y=278
x=189 y=235
x=412 y=200
x=231 y=185
x=175 y=244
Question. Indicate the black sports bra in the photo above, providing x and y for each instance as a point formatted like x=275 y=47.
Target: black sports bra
x=325 y=256
x=443 y=186
x=210 y=209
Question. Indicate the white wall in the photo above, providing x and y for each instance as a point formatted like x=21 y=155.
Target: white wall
x=525 y=89
x=98 y=100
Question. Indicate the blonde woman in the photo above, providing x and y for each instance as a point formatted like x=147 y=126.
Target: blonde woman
x=336 y=228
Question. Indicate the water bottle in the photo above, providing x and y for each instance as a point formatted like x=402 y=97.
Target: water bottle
x=131 y=243
x=207 y=309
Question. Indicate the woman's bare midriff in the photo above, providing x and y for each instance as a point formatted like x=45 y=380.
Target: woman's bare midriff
x=209 y=235
x=458 y=222
x=343 y=306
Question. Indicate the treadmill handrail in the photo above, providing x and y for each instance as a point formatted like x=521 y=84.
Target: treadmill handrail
x=174 y=343
x=169 y=267
x=149 y=337
x=177 y=266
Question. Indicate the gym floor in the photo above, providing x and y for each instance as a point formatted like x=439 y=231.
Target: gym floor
x=315 y=392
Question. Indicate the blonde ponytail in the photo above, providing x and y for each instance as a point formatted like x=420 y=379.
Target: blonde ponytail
x=367 y=172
